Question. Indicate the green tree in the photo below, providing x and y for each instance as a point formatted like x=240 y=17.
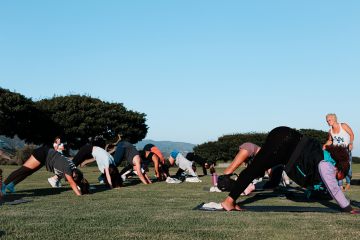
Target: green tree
x=22 y=155
x=83 y=119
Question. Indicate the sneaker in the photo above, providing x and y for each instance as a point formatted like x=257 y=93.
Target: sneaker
x=58 y=183
x=52 y=182
x=3 y=189
x=101 y=180
x=123 y=178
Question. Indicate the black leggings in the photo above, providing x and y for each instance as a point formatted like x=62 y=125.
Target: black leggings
x=277 y=149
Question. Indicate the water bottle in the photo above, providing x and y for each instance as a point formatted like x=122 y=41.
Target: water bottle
x=214 y=179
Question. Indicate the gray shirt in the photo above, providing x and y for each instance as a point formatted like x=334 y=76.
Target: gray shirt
x=59 y=164
x=250 y=148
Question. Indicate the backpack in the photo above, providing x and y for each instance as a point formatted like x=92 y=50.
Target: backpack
x=225 y=183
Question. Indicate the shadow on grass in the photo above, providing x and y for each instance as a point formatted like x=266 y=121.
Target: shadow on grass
x=49 y=191
x=2 y=233
x=325 y=203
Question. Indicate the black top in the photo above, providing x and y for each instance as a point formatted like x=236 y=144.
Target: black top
x=40 y=154
x=84 y=153
x=148 y=147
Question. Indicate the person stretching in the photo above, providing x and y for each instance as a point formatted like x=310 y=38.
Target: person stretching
x=152 y=148
x=128 y=151
x=150 y=156
x=181 y=162
x=199 y=160
x=104 y=161
x=55 y=163
x=305 y=163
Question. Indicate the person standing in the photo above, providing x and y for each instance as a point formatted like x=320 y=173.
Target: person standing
x=339 y=135
x=58 y=146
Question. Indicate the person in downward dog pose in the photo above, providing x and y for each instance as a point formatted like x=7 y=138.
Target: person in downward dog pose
x=196 y=158
x=339 y=135
x=104 y=161
x=128 y=151
x=305 y=163
x=55 y=163
x=151 y=156
x=181 y=162
x=152 y=148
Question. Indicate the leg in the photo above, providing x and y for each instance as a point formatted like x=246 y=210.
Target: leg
x=349 y=174
x=29 y=167
x=179 y=172
x=279 y=145
x=125 y=169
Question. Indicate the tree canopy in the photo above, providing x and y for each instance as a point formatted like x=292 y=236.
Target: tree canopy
x=76 y=119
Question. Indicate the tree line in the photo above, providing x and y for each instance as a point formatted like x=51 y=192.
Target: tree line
x=76 y=119
x=227 y=146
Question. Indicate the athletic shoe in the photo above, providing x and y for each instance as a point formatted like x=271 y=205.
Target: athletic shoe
x=3 y=189
x=58 y=183
x=101 y=180
x=214 y=189
x=193 y=179
x=123 y=178
x=10 y=187
x=52 y=182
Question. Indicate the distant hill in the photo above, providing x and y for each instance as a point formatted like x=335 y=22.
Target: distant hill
x=166 y=147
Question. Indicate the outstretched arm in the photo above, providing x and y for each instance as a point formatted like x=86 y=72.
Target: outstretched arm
x=329 y=141
x=108 y=178
x=73 y=185
x=239 y=159
x=137 y=164
x=350 y=132
x=327 y=173
x=155 y=160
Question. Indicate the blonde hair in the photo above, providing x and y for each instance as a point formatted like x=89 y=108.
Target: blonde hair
x=332 y=115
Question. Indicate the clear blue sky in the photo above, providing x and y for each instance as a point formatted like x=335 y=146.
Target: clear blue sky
x=198 y=69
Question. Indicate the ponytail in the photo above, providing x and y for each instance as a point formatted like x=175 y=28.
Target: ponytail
x=81 y=182
x=116 y=179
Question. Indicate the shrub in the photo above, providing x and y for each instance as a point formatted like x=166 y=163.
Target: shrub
x=356 y=160
x=22 y=155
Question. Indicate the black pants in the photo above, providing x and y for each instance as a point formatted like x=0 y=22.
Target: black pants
x=277 y=149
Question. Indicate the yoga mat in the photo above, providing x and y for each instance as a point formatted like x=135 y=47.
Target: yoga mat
x=289 y=195
x=282 y=189
x=275 y=209
x=15 y=202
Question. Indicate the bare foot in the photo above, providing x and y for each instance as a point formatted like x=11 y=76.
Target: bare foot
x=230 y=204
x=347 y=187
x=227 y=206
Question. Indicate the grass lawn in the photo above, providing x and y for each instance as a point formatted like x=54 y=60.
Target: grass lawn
x=159 y=211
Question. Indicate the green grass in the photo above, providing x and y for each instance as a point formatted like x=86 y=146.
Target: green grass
x=159 y=211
